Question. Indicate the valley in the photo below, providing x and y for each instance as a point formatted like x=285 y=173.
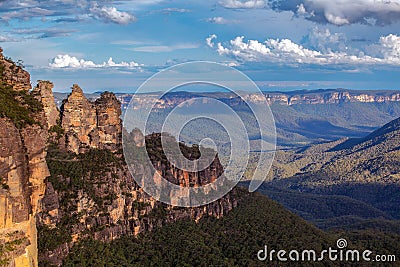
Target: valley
x=67 y=197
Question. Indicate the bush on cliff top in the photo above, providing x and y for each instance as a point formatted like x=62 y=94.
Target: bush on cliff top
x=18 y=106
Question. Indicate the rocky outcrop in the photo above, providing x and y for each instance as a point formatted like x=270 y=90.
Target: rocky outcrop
x=105 y=203
x=78 y=119
x=14 y=74
x=91 y=125
x=23 y=170
x=109 y=125
x=93 y=194
x=178 y=176
x=44 y=93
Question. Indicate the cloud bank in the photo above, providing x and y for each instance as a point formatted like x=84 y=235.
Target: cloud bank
x=337 y=12
x=65 y=10
x=243 y=4
x=342 y=12
x=285 y=51
x=111 y=14
x=70 y=62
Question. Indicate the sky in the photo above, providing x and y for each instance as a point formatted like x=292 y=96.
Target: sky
x=281 y=45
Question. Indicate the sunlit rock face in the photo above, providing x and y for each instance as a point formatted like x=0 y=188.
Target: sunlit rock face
x=23 y=170
x=44 y=93
x=91 y=124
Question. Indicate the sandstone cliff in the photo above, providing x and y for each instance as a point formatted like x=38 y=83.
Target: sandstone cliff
x=91 y=125
x=92 y=194
x=63 y=177
x=330 y=96
x=23 y=167
x=44 y=93
x=14 y=75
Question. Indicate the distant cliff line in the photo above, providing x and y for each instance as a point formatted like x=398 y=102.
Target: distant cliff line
x=322 y=96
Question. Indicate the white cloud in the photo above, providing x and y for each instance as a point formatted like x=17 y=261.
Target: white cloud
x=71 y=62
x=6 y=38
x=220 y=20
x=325 y=41
x=209 y=40
x=175 y=10
x=390 y=47
x=342 y=12
x=286 y=51
x=111 y=14
x=301 y=10
x=164 y=48
x=243 y=4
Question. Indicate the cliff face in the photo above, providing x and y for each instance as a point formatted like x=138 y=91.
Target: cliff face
x=290 y=98
x=23 y=170
x=176 y=175
x=91 y=192
x=109 y=125
x=91 y=125
x=14 y=75
x=44 y=93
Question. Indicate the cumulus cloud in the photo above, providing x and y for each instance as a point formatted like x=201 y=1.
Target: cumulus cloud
x=342 y=12
x=68 y=10
x=209 y=40
x=71 y=62
x=325 y=41
x=243 y=4
x=111 y=14
x=286 y=51
x=220 y=20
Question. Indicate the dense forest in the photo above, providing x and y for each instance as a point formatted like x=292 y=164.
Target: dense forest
x=233 y=240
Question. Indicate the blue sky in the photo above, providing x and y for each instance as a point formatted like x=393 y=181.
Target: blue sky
x=282 y=45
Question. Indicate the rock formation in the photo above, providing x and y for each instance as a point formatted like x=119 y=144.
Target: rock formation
x=51 y=198
x=94 y=195
x=78 y=119
x=109 y=125
x=14 y=74
x=91 y=125
x=44 y=93
x=23 y=170
x=283 y=98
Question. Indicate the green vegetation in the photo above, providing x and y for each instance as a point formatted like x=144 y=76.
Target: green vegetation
x=7 y=248
x=156 y=153
x=50 y=238
x=71 y=173
x=233 y=240
x=18 y=106
x=57 y=129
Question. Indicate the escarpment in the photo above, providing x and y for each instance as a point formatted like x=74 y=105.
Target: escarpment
x=63 y=177
x=92 y=194
x=23 y=168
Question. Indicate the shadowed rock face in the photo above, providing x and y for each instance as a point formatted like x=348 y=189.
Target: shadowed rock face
x=109 y=125
x=23 y=170
x=91 y=125
x=176 y=175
